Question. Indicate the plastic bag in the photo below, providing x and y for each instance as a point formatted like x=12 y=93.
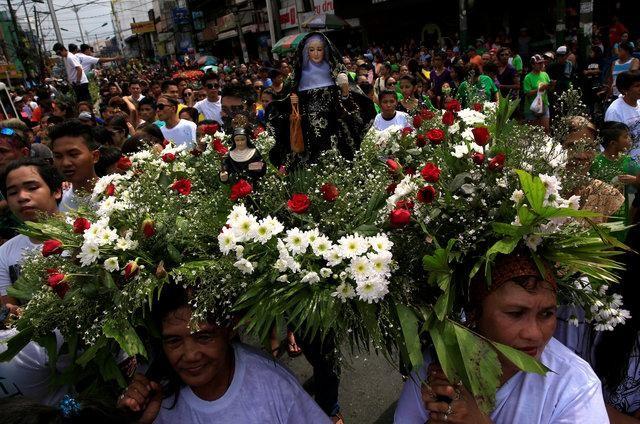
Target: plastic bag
x=537 y=105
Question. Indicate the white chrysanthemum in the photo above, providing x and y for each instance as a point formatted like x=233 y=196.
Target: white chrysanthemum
x=573 y=202
x=380 y=262
x=471 y=117
x=311 y=278
x=107 y=206
x=176 y=150
x=352 y=246
x=380 y=243
x=459 y=150
x=93 y=233
x=106 y=236
x=325 y=272
x=344 y=292
x=112 y=264
x=333 y=256
x=239 y=251
x=263 y=232
x=101 y=185
x=372 y=290
x=453 y=129
x=360 y=268
x=89 y=253
x=244 y=266
x=140 y=156
x=312 y=235
x=517 y=197
x=281 y=265
x=296 y=241
x=467 y=135
x=226 y=240
x=125 y=243
x=275 y=227
x=238 y=211
x=321 y=245
x=551 y=183
x=245 y=228
x=283 y=278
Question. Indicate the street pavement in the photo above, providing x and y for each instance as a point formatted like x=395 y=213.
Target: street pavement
x=369 y=387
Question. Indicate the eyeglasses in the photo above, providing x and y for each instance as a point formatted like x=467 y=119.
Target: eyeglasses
x=161 y=106
x=8 y=132
x=210 y=86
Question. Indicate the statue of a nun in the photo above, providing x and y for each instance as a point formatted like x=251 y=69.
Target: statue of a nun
x=334 y=113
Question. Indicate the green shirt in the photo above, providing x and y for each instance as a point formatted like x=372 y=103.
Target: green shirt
x=517 y=63
x=607 y=170
x=484 y=88
x=532 y=82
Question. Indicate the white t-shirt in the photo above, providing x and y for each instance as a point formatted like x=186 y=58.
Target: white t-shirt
x=70 y=64
x=569 y=394
x=28 y=373
x=71 y=201
x=10 y=258
x=87 y=62
x=401 y=118
x=620 y=111
x=262 y=391
x=183 y=133
x=210 y=110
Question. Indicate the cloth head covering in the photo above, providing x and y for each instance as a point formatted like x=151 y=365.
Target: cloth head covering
x=315 y=75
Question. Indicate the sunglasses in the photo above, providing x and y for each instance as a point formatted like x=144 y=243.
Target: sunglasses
x=7 y=131
x=161 y=106
x=210 y=86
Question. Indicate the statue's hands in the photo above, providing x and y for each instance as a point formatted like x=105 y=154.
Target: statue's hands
x=294 y=99
x=342 y=81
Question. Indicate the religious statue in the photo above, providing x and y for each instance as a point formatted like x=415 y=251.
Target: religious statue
x=243 y=161
x=333 y=111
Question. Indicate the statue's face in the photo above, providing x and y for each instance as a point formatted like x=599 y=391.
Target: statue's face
x=241 y=142
x=316 y=51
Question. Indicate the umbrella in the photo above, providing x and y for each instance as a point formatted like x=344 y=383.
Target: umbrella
x=326 y=21
x=288 y=44
x=208 y=68
x=207 y=60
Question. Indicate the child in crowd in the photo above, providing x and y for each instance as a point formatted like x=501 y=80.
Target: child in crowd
x=388 y=115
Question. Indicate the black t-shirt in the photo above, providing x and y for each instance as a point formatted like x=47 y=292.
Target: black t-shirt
x=507 y=77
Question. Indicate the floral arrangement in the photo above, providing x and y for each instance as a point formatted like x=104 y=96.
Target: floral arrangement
x=377 y=252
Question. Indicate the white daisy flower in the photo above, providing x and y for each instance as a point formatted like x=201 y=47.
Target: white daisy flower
x=380 y=262
x=111 y=264
x=245 y=228
x=283 y=278
x=360 y=268
x=311 y=278
x=371 y=290
x=281 y=265
x=226 y=240
x=551 y=184
x=244 y=266
x=238 y=211
x=517 y=196
x=275 y=227
x=321 y=245
x=333 y=256
x=296 y=241
x=380 y=243
x=263 y=232
x=312 y=235
x=89 y=253
x=325 y=272
x=352 y=246
x=344 y=292
x=460 y=150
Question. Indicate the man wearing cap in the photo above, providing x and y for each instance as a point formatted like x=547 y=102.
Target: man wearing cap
x=536 y=80
x=75 y=74
x=88 y=61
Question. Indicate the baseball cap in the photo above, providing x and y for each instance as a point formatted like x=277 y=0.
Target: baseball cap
x=561 y=50
x=85 y=115
x=548 y=55
x=17 y=99
x=40 y=151
x=536 y=58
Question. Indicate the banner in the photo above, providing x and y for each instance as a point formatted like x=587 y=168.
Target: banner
x=288 y=17
x=143 y=27
x=180 y=16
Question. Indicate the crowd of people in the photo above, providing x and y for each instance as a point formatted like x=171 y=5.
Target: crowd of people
x=69 y=134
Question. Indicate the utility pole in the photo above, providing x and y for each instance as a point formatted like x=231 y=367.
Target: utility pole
x=116 y=27
x=462 y=4
x=54 y=19
x=75 y=10
x=272 y=24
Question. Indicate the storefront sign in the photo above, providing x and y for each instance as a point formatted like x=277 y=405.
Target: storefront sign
x=288 y=17
x=180 y=16
x=143 y=27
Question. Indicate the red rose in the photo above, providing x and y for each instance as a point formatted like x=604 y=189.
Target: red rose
x=110 y=190
x=282 y=170
x=299 y=203
x=406 y=131
x=421 y=140
x=427 y=114
x=448 y=118
x=408 y=170
x=131 y=270
x=426 y=194
x=80 y=225
x=430 y=172
x=58 y=282
x=240 y=189
x=481 y=136
x=478 y=158
x=210 y=129
x=219 y=147
x=195 y=152
x=168 y=157
x=51 y=247
x=124 y=163
x=393 y=165
x=404 y=204
x=148 y=227
x=182 y=186
x=453 y=106
x=417 y=121
x=435 y=136
x=257 y=132
x=399 y=218
x=329 y=192
x=478 y=107
x=391 y=188
x=497 y=162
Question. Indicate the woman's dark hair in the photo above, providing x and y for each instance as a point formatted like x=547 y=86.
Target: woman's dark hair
x=135 y=144
x=151 y=131
x=387 y=93
x=626 y=46
x=193 y=113
x=119 y=103
x=461 y=72
x=611 y=131
x=147 y=101
x=109 y=155
x=614 y=349
x=83 y=103
x=408 y=78
x=103 y=136
x=68 y=108
x=49 y=173
x=490 y=68
x=73 y=128
x=626 y=79
x=119 y=122
x=21 y=410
